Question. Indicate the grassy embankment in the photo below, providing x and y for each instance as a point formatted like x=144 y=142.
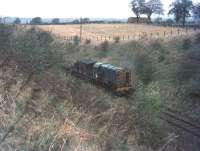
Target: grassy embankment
x=44 y=108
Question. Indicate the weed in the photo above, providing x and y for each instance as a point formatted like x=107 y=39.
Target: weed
x=116 y=39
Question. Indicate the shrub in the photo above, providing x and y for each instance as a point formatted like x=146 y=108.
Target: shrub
x=161 y=58
x=116 y=39
x=87 y=41
x=189 y=66
x=33 y=51
x=143 y=67
x=5 y=37
x=104 y=46
x=187 y=43
x=76 y=40
x=169 y=21
x=197 y=37
x=158 y=46
x=148 y=108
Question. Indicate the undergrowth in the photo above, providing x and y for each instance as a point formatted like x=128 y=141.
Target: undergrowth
x=71 y=114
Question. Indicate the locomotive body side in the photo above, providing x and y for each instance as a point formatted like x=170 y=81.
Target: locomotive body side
x=115 y=78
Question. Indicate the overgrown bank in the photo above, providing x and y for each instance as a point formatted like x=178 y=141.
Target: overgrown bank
x=59 y=112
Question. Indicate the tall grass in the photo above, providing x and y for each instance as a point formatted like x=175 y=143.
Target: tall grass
x=73 y=114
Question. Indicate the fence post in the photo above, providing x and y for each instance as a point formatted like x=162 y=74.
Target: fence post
x=164 y=33
x=178 y=31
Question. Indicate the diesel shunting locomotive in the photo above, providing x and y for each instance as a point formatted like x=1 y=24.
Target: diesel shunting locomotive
x=115 y=78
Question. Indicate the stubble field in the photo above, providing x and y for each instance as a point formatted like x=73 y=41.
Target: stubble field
x=102 y=32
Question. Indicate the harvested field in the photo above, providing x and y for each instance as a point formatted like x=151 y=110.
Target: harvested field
x=101 y=32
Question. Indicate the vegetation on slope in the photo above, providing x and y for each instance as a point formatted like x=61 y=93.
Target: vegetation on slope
x=44 y=108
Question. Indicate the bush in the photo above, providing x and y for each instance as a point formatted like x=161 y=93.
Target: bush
x=169 y=21
x=76 y=40
x=33 y=51
x=104 y=46
x=5 y=37
x=144 y=67
x=87 y=41
x=188 y=74
x=187 y=43
x=116 y=39
x=148 y=108
x=197 y=37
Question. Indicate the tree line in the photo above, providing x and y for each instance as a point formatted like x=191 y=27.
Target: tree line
x=181 y=9
x=57 y=21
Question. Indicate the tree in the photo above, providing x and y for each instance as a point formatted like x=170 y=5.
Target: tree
x=181 y=10
x=85 y=20
x=153 y=7
x=138 y=7
x=76 y=21
x=176 y=10
x=55 y=21
x=36 y=20
x=196 y=11
x=17 y=21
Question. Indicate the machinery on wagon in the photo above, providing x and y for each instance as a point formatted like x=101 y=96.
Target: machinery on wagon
x=114 y=78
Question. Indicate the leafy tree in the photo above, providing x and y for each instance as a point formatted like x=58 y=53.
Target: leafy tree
x=176 y=10
x=138 y=7
x=181 y=10
x=196 y=11
x=36 y=20
x=153 y=7
x=17 y=21
x=55 y=21
x=85 y=20
x=76 y=21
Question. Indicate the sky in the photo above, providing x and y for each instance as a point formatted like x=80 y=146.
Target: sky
x=70 y=8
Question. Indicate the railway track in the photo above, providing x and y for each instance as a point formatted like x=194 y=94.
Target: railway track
x=181 y=122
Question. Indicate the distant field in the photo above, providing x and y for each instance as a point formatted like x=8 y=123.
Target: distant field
x=99 y=32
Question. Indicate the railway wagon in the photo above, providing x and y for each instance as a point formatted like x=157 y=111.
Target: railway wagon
x=115 y=78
